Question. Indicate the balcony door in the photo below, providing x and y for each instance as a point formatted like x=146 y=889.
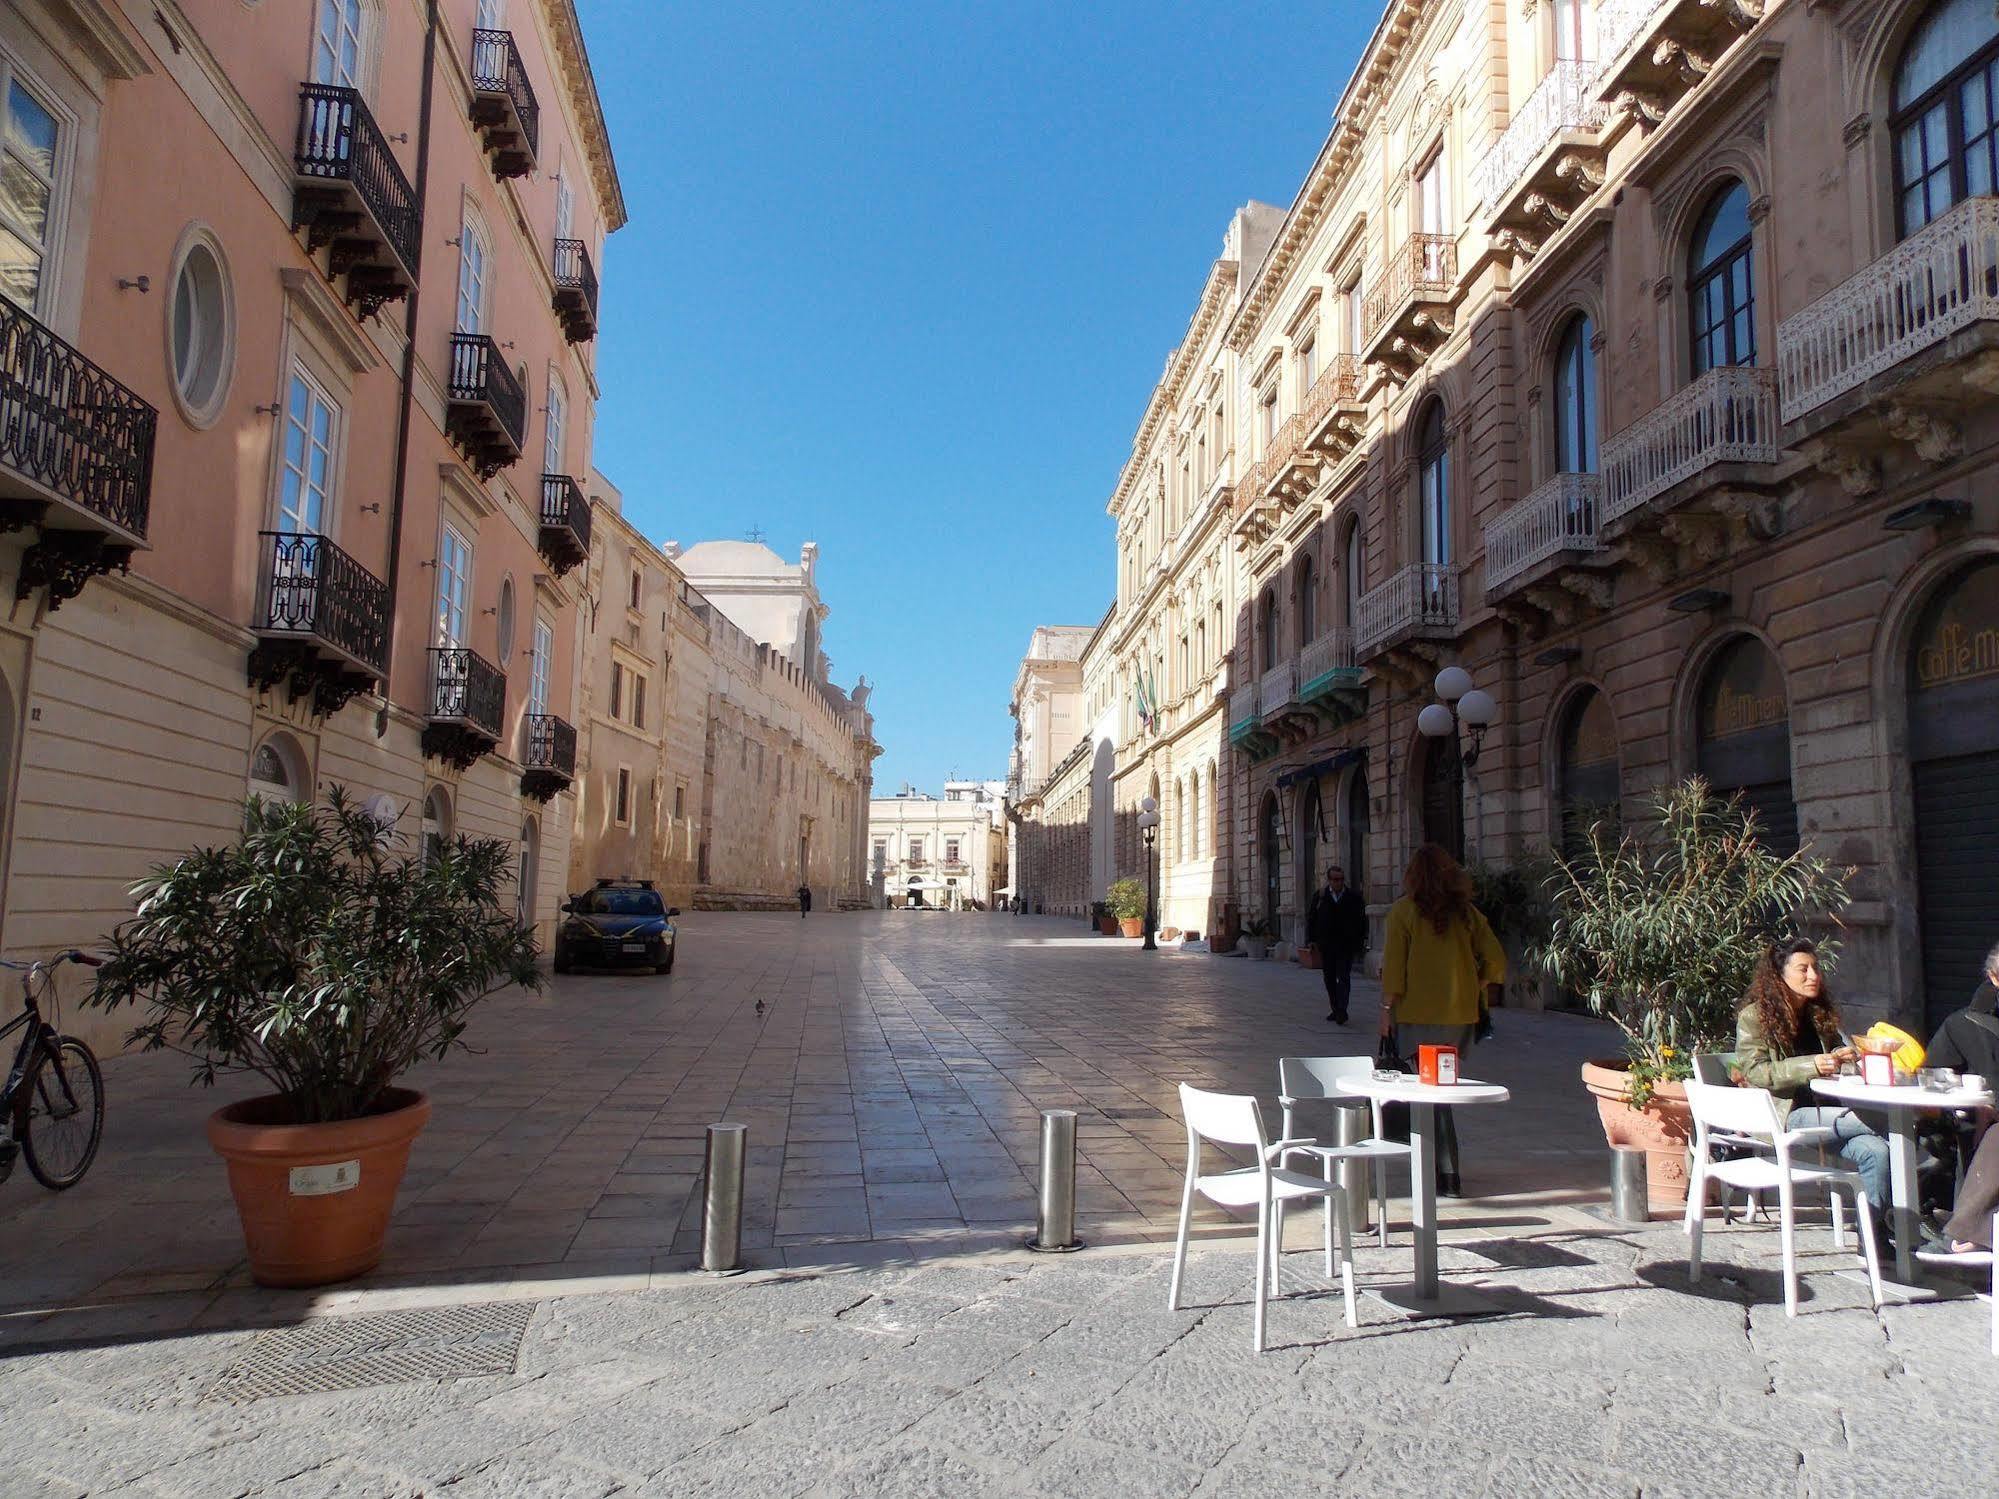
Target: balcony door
x=454 y=586
x=551 y=433
x=492 y=15
x=1308 y=602
x=1575 y=30
x=1721 y=284
x=544 y=651
x=337 y=42
x=1433 y=504
x=1945 y=114
x=1430 y=218
x=31 y=152
x=473 y=272
x=305 y=478
x=1355 y=584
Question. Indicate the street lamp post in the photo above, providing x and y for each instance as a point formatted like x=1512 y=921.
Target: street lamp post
x=1148 y=825
x=1471 y=709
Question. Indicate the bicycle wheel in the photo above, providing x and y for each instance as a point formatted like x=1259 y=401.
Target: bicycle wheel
x=65 y=1115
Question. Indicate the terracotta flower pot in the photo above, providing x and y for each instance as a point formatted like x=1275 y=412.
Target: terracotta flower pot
x=1661 y=1129
x=1107 y=925
x=1308 y=956
x=315 y=1199
x=1132 y=926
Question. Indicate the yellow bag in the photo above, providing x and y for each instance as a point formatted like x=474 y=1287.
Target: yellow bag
x=1904 y=1048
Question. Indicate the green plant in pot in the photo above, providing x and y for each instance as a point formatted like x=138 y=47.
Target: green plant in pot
x=318 y=953
x=1660 y=927
x=1126 y=899
x=1256 y=934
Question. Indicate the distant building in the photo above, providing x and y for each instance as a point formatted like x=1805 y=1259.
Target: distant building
x=947 y=852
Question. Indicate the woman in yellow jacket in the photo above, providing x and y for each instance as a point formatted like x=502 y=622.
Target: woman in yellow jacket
x=1439 y=958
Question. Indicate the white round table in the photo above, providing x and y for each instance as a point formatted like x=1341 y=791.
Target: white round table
x=1425 y=1298
x=1900 y=1104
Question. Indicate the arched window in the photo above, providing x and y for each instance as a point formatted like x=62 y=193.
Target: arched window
x=278 y=771
x=1268 y=609
x=1433 y=486
x=1575 y=399
x=1721 y=290
x=1943 y=114
x=1354 y=561
x=1586 y=779
x=1742 y=734
x=1214 y=815
x=436 y=822
x=1308 y=602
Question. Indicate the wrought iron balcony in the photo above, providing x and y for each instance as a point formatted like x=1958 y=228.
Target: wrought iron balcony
x=1867 y=333
x=352 y=199
x=1334 y=418
x=322 y=621
x=548 y=755
x=1420 y=600
x=468 y=701
x=503 y=104
x=1406 y=312
x=1654 y=51
x=76 y=459
x=575 y=290
x=1726 y=417
x=565 y=523
x=487 y=415
x=1557 y=519
x=1548 y=160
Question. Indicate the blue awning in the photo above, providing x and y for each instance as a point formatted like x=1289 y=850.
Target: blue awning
x=1324 y=767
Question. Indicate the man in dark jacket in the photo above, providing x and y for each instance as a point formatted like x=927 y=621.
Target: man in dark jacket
x=1968 y=1039
x=1337 y=925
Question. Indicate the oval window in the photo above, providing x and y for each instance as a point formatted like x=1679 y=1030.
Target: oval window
x=199 y=326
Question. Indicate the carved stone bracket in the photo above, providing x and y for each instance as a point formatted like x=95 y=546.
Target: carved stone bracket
x=1580 y=171
x=1518 y=242
x=457 y=744
x=1858 y=472
x=1641 y=105
x=1592 y=588
x=1751 y=517
x=1544 y=209
x=1935 y=437
x=1654 y=556
x=1704 y=536
x=1678 y=58
x=542 y=785
x=1557 y=603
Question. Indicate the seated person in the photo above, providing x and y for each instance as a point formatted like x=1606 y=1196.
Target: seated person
x=1786 y=1034
x=1970 y=1225
x=1968 y=1039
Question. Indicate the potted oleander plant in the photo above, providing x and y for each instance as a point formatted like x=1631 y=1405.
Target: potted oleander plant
x=1256 y=938
x=1126 y=899
x=1659 y=928
x=323 y=954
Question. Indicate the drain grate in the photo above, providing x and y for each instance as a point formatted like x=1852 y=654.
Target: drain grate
x=351 y=1353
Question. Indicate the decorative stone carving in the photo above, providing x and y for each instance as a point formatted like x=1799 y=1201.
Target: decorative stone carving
x=1518 y=242
x=1582 y=171
x=1705 y=536
x=1859 y=473
x=1654 y=556
x=1677 y=58
x=1642 y=106
x=1544 y=209
x=1592 y=588
x=1935 y=437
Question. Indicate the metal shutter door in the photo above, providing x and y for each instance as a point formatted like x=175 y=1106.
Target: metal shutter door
x=1957 y=876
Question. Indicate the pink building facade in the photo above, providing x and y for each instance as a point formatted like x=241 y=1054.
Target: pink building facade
x=297 y=381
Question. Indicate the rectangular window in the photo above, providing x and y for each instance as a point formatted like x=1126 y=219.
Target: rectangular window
x=916 y=850
x=624 y=797
x=551 y=429
x=544 y=652
x=638 y=587
x=471 y=313
x=336 y=43
x=30 y=157
x=1430 y=199
x=679 y=801
x=1308 y=367
x=1350 y=315
x=950 y=850
x=617 y=690
x=1270 y=414
x=305 y=469
x=638 y=701
x=454 y=586
x=881 y=852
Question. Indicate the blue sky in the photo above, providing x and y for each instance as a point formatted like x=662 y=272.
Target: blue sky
x=899 y=279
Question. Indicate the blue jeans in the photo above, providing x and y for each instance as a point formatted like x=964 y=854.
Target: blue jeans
x=1859 y=1146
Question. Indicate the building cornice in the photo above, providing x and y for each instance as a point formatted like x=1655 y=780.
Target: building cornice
x=566 y=30
x=1173 y=381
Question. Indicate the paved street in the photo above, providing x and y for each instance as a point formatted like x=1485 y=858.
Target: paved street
x=537 y=1329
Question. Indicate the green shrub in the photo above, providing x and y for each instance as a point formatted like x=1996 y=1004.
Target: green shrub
x=1126 y=899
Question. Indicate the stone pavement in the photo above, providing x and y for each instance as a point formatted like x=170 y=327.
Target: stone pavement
x=1603 y=1374
x=892 y=1088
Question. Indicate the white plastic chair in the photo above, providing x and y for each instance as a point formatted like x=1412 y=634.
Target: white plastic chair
x=1235 y=1119
x=1304 y=1079
x=1711 y=1067
x=1750 y=1114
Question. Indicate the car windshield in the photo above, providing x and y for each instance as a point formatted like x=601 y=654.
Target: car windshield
x=621 y=903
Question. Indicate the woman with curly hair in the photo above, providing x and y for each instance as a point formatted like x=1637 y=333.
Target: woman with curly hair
x=1440 y=956
x=1786 y=1034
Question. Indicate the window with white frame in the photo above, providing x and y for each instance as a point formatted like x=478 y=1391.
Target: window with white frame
x=544 y=653
x=492 y=15
x=565 y=203
x=337 y=39
x=1350 y=315
x=305 y=467
x=881 y=852
x=951 y=851
x=31 y=160
x=454 y=585
x=1308 y=364
x=916 y=850
x=551 y=431
x=473 y=273
x=1269 y=413
x=200 y=324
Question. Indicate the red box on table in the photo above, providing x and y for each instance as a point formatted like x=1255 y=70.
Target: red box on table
x=1437 y=1065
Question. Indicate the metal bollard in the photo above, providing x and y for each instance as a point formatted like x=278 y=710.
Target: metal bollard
x=1351 y=1125
x=1055 y=1226
x=1628 y=1199
x=722 y=1210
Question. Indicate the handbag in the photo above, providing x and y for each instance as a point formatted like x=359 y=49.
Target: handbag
x=1388 y=1053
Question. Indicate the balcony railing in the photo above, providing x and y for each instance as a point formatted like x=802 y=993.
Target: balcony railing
x=339 y=142
x=489 y=408
x=497 y=75
x=1940 y=279
x=1243 y=706
x=70 y=433
x=1424 y=264
x=1619 y=22
x=1325 y=659
x=1728 y=415
x=466 y=688
x=565 y=522
x=548 y=755
x=1278 y=688
x=575 y=290
x=1558 y=517
x=1564 y=100
x=312 y=591
x=1423 y=595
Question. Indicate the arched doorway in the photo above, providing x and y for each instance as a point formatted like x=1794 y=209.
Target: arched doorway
x=1587 y=785
x=527 y=872
x=1357 y=820
x=1443 y=796
x=1954 y=774
x=1311 y=835
x=436 y=822
x=1742 y=737
x=1270 y=838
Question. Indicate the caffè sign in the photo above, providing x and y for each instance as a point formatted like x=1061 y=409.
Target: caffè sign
x=1745 y=692
x=1959 y=638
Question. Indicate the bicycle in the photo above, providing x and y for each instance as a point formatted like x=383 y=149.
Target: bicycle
x=52 y=1108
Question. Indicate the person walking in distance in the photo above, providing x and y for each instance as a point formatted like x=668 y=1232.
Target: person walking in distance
x=804 y=900
x=1337 y=926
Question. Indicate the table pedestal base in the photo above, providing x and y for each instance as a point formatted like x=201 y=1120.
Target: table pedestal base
x=1450 y=1301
